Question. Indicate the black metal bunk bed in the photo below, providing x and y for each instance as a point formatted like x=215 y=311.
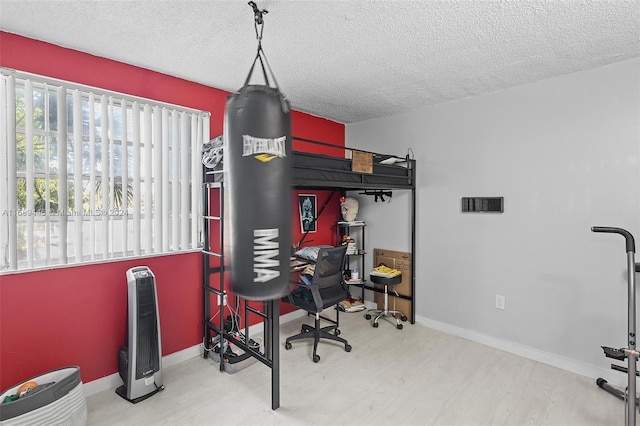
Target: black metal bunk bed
x=339 y=171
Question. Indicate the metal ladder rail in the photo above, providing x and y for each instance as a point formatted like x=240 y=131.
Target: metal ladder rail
x=270 y=315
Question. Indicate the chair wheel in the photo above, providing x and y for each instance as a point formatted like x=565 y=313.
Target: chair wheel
x=336 y=332
x=374 y=325
x=347 y=348
x=287 y=345
x=316 y=358
x=399 y=326
x=367 y=316
x=403 y=318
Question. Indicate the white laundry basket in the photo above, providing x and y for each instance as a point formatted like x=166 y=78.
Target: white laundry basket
x=62 y=402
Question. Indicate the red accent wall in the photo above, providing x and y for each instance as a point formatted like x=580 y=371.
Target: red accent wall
x=77 y=315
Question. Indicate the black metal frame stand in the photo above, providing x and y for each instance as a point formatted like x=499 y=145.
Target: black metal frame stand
x=629 y=353
x=270 y=313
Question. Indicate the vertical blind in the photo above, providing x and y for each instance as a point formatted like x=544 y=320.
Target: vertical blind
x=89 y=175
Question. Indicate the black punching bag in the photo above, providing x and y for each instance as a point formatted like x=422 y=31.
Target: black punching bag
x=257 y=158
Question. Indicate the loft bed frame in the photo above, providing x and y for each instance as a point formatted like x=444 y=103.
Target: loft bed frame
x=346 y=169
x=354 y=170
x=358 y=170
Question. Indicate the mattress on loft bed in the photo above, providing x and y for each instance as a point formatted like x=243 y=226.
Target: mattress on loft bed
x=317 y=167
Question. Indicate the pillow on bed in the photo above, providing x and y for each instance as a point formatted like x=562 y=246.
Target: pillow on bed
x=310 y=253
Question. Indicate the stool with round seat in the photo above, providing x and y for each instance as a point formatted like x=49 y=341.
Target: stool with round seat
x=385 y=312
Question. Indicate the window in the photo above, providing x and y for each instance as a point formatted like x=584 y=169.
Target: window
x=88 y=175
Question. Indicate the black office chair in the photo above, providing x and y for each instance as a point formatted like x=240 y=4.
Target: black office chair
x=326 y=289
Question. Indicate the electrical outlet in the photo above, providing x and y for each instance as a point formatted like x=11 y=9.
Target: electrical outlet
x=500 y=301
x=224 y=300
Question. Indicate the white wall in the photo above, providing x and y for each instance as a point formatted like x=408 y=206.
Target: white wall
x=564 y=153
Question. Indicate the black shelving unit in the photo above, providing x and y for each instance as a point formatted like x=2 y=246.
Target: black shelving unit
x=213 y=264
x=356 y=230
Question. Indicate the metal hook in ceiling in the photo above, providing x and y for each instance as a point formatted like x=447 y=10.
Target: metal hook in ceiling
x=258 y=19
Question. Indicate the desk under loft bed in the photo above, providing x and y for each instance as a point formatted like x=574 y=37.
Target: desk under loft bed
x=338 y=168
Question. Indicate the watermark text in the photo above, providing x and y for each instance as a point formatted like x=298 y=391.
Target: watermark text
x=71 y=212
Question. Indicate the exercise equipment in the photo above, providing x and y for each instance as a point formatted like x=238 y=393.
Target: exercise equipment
x=629 y=353
x=257 y=173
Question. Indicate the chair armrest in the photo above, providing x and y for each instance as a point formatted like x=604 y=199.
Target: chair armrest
x=312 y=288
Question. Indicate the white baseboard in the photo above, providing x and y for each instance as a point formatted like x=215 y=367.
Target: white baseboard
x=113 y=381
x=554 y=360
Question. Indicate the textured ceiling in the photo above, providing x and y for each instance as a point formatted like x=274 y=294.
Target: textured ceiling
x=345 y=60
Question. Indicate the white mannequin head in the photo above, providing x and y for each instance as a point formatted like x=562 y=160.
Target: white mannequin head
x=349 y=208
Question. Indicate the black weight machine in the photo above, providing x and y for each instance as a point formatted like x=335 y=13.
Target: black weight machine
x=629 y=353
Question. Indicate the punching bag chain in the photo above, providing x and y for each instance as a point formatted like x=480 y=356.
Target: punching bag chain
x=258 y=25
x=259 y=21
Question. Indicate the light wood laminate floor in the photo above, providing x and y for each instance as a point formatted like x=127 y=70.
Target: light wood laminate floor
x=414 y=376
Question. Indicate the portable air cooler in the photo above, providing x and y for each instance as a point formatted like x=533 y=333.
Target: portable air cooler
x=140 y=358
